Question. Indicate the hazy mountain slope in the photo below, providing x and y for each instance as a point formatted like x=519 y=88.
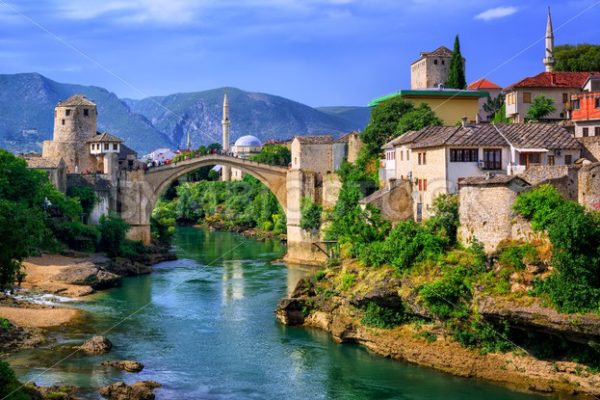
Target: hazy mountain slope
x=27 y=103
x=262 y=115
x=358 y=117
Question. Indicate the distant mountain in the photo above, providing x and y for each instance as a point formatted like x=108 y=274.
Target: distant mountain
x=262 y=115
x=27 y=104
x=358 y=117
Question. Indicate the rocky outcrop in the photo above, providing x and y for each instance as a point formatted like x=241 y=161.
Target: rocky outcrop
x=580 y=328
x=124 y=365
x=14 y=338
x=56 y=392
x=143 y=390
x=96 y=345
x=88 y=274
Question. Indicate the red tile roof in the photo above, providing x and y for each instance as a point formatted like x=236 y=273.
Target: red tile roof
x=483 y=84
x=554 y=80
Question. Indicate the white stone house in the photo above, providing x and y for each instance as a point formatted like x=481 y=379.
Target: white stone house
x=312 y=153
x=435 y=159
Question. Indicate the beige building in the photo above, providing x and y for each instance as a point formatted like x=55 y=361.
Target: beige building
x=435 y=159
x=312 y=153
x=431 y=69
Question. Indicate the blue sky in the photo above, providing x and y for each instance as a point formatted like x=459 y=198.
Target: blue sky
x=319 y=52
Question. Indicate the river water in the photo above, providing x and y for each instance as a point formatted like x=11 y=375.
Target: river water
x=204 y=327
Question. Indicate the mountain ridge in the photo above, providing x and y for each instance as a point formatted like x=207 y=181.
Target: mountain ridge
x=27 y=102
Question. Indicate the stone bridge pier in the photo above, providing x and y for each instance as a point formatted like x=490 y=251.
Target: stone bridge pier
x=140 y=190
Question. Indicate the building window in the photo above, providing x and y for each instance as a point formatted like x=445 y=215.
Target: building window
x=492 y=159
x=63 y=121
x=565 y=98
x=401 y=155
x=295 y=160
x=422 y=158
x=568 y=159
x=424 y=185
x=597 y=102
x=575 y=104
x=105 y=146
x=114 y=146
x=435 y=62
x=86 y=112
x=407 y=155
x=526 y=97
x=443 y=62
x=551 y=160
x=68 y=112
x=597 y=131
x=464 y=155
x=585 y=132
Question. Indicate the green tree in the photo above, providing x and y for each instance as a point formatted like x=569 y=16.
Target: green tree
x=540 y=107
x=417 y=119
x=383 y=124
x=86 y=197
x=456 y=70
x=112 y=230
x=274 y=154
x=311 y=215
x=10 y=387
x=500 y=117
x=493 y=106
x=582 y=57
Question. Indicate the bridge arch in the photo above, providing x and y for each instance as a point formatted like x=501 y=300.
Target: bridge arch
x=144 y=188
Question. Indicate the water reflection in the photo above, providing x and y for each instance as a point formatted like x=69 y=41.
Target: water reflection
x=233 y=281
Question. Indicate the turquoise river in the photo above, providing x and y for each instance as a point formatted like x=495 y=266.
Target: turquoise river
x=204 y=326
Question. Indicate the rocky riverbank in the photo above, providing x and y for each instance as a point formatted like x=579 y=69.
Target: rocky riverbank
x=333 y=302
x=51 y=281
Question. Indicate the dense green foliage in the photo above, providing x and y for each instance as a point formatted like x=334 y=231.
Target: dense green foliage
x=582 y=57
x=376 y=316
x=112 y=234
x=274 y=154
x=500 y=117
x=456 y=70
x=310 y=215
x=10 y=387
x=85 y=196
x=540 y=108
x=235 y=205
x=575 y=236
x=392 y=118
x=163 y=222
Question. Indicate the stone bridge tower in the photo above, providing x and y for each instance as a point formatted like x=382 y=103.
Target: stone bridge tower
x=74 y=124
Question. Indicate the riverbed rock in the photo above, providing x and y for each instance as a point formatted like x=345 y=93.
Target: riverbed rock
x=13 y=338
x=291 y=311
x=55 y=392
x=143 y=390
x=124 y=365
x=87 y=273
x=97 y=345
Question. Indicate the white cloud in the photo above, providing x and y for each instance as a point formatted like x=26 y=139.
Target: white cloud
x=495 y=13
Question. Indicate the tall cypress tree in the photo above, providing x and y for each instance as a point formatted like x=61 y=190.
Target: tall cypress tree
x=456 y=73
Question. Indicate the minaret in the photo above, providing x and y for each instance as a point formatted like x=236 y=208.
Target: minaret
x=549 y=60
x=189 y=142
x=225 y=123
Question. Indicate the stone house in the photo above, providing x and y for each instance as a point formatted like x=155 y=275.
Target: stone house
x=54 y=167
x=436 y=159
x=312 y=153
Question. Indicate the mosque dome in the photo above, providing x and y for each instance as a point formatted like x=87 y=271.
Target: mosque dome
x=248 y=141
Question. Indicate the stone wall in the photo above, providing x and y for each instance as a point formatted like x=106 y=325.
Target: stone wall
x=395 y=201
x=589 y=186
x=564 y=177
x=331 y=190
x=354 y=146
x=591 y=148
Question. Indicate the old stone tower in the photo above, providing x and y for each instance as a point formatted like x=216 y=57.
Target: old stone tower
x=431 y=69
x=74 y=124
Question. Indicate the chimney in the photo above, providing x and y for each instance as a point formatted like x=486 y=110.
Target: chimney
x=464 y=121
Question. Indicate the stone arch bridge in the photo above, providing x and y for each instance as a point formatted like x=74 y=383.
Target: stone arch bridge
x=140 y=190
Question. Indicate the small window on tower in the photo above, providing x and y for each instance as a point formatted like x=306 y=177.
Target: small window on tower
x=86 y=112
x=68 y=112
x=435 y=62
x=63 y=121
x=443 y=62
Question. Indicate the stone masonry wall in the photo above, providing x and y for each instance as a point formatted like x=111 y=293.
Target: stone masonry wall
x=591 y=148
x=589 y=186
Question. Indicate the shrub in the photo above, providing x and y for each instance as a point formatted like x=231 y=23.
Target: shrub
x=445 y=218
x=478 y=333
x=515 y=256
x=347 y=281
x=449 y=296
x=4 y=324
x=311 y=215
x=112 y=234
x=376 y=316
x=539 y=206
x=10 y=387
x=86 y=197
x=320 y=275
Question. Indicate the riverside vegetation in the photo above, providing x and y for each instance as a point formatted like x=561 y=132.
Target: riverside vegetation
x=539 y=299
